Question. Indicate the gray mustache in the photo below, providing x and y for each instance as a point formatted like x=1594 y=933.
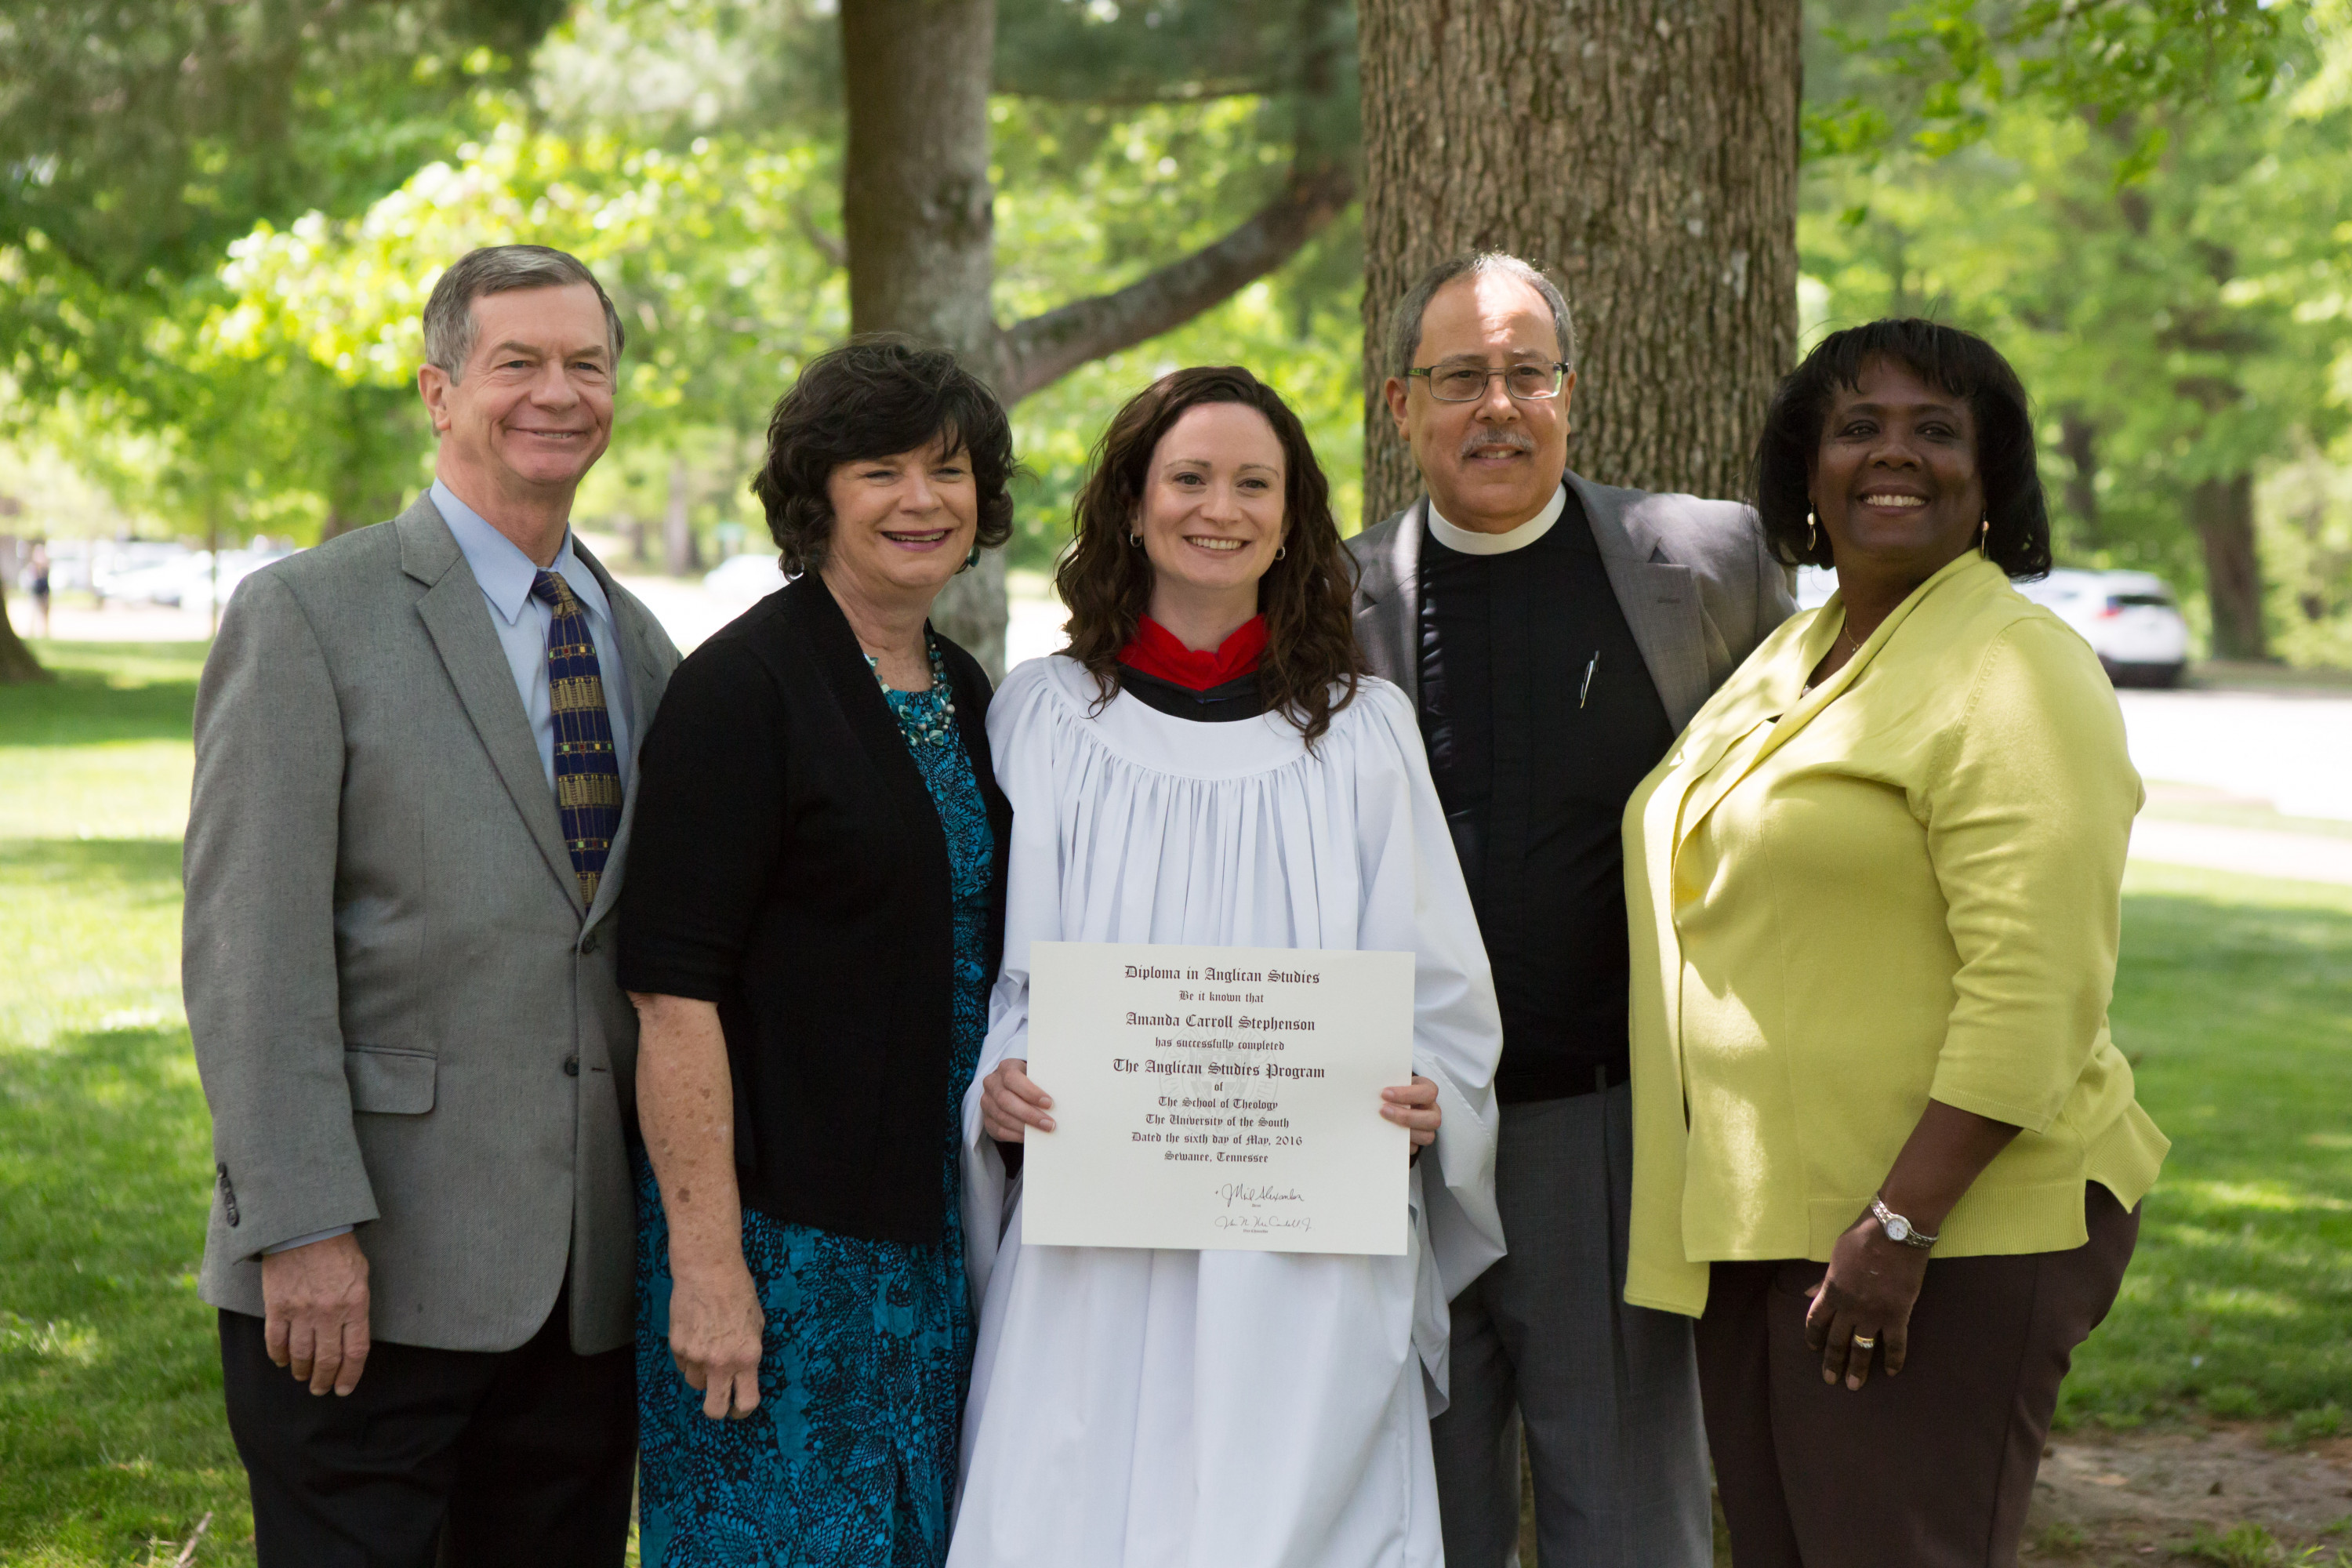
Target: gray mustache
x=1507 y=436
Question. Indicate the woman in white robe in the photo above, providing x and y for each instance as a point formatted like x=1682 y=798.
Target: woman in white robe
x=1132 y=1408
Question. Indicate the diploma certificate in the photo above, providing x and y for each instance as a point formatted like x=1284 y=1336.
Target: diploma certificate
x=1217 y=1097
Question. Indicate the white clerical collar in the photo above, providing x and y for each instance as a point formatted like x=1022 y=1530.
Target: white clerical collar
x=1519 y=538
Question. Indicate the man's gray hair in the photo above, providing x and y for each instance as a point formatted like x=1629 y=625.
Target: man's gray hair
x=1404 y=327
x=449 y=323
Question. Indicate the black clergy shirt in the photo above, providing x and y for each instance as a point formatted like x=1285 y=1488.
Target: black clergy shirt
x=1534 y=765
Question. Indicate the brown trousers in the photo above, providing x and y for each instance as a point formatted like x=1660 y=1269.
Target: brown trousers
x=1930 y=1469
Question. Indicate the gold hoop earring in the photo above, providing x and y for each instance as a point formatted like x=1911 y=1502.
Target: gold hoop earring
x=1984 y=537
x=1813 y=536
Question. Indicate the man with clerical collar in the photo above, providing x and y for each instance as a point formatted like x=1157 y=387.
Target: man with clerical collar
x=1555 y=634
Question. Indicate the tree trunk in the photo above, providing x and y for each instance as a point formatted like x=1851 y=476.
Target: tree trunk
x=915 y=206
x=2078 y=437
x=2222 y=511
x=679 y=557
x=917 y=217
x=17 y=665
x=1644 y=150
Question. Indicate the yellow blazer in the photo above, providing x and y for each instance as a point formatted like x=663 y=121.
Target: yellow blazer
x=1904 y=884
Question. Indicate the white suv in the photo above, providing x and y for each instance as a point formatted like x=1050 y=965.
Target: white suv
x=2129 y=619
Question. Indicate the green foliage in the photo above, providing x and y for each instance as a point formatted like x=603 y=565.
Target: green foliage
x=2306 y=542
x=1947 y=70
x=142 y=138
x=2181 y=321
x=689 y=151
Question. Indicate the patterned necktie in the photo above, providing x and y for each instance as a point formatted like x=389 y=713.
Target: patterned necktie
x=587 y=770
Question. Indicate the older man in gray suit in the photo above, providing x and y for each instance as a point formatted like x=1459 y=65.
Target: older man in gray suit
x=413 y=754
x=1555 y=634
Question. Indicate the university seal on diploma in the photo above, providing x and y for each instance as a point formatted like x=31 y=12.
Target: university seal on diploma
x=1218 y=1097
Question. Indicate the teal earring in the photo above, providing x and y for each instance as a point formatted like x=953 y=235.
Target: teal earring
x=972 y=560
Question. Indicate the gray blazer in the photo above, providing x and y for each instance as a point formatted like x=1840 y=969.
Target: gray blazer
x=403 y=1018
x=1696 y=579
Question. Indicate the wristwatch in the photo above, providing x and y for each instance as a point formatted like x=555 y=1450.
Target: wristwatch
x=1897 y=1228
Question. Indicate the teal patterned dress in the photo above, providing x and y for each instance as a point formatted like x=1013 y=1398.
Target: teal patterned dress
x=850 y=1459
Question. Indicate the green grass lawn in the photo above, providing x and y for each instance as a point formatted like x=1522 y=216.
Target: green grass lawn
x=2235 y=1001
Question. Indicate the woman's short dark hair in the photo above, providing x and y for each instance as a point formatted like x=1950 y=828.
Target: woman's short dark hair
x=1965 y=366
x=875 y=396
x=1312 y=665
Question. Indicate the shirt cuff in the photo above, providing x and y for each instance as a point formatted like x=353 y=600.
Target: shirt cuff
x=307 y=1240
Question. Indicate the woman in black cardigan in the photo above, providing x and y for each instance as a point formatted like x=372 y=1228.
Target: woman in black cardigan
x=813 y=919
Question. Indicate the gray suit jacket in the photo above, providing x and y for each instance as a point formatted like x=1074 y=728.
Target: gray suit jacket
x=1696 y=579
x=403 y=1018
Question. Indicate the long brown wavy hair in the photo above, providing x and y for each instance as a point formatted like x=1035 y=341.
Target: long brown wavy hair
x=1311 y=666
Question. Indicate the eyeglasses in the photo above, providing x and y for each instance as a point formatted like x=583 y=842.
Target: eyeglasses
x=1530 y=383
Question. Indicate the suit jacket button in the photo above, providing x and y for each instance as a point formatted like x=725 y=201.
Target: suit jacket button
x=572 y=1067
x=588 y=944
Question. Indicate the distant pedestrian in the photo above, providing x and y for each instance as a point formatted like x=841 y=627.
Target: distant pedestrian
x=1880 y=1126
x=413 y=775
x=40 y=573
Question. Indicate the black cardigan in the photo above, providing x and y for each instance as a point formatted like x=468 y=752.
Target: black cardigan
x=786 y=862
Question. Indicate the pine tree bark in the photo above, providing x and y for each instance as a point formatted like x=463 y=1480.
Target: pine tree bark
x=1645 y=150
x=2223 y=512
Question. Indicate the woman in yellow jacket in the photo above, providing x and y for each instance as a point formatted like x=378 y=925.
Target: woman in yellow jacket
x=1879 y=1125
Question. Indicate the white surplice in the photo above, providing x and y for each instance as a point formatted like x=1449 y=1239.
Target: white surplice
x=1163 y=1409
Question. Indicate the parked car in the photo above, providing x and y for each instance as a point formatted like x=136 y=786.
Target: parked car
x=184 y=578
x=2129 y=619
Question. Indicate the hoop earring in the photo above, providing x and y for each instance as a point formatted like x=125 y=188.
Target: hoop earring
x=1813 y=536
x=1280 y=551
x=1136 y=540
x=1984 y=537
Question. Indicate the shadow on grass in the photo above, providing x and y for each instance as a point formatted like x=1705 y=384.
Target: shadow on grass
x=105 y=692
x=110 y=1426
x=2238 y=1019
x=151 y=864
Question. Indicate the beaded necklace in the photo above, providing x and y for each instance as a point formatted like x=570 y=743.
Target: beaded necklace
x=928 y=717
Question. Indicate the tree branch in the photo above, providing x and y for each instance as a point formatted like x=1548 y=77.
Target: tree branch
x=1035 y=353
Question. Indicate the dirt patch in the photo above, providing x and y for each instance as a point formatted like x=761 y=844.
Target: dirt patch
x=2136 y=1496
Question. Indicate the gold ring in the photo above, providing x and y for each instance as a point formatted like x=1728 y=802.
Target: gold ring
x=1864 y=1344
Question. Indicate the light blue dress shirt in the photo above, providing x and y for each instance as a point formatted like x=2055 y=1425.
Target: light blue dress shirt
x=506 y=575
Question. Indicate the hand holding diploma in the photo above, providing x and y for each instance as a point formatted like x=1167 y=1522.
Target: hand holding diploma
x=1415 y=1108
x=1010 y=1102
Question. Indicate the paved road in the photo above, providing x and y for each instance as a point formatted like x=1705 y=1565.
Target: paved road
x=2292 y=749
